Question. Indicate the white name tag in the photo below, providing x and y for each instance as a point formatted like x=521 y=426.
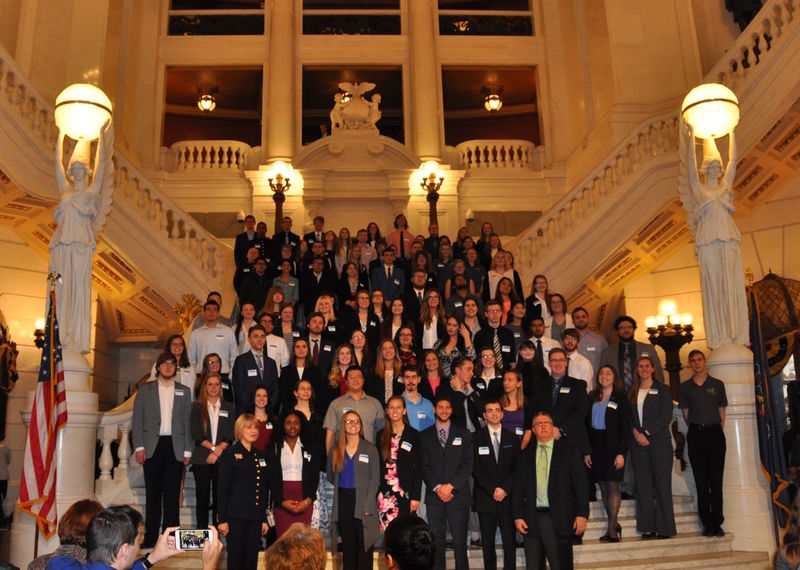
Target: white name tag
x=226 y=386
x=458 y=304
x=292 y=284
x=505 y=348
x=293 y=243
x=612 y=405
x=268 y=426
x=564 y=390
x=252 y=372
x=644 y=353
x=179 y=392
x=653 y=391
x=262 y=463
x=273 y=346
x=422 y=415
x=223 y=413
x=397 y=282
x=344 y=411
x=481 y=385
x=591 y=348
x=406 y=445
x=296 y=334
x=456 y=441
x=516 y=335
x=331 y=328
x=220 y=336
x=483 y=451
x=326 y=348
x=306 y=456
x=363 y=458
x=519 y=431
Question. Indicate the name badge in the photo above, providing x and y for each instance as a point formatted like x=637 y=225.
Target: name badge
x=220 y=336
x=564 y=390
x=237 y=456
x=458 y=304
x=252 y=372
x=226 y=386
x=268 y=425
x=332 y=328
x=246 y=270
x=345 y=410
x=645 y=353
x=326 y=348
x=505 y=348
x=296 y=334
x=223 y=413
x=422 y=415
x=397 y=282
x=516 y=335
x=363 y=458
x=519 y=431
x=483 y=451
x=306 y=456
x=481 y=385
x=292 y=283
x=456 y=441
x=591 y=348
x=179 y=392
x=273 y=346
x=406 y=445
x=613 y=405
x=653 y=391
x=293 y=243
x=262 y=463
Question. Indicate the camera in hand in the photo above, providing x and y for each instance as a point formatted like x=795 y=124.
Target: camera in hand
x=192 y=539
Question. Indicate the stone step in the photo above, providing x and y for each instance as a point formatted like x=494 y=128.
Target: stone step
x=707 y=561
x=627 y=508
x=685 y=523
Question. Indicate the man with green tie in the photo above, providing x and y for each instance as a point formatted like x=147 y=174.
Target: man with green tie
x=550 y=500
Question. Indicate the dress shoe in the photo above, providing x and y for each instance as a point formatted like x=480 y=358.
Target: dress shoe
x=708 y=532
x=719 y=533
x=604 y=538
x=648 y=535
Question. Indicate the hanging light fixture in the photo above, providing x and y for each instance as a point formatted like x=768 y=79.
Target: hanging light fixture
x=206 y=101
x=712 y=110
x=492 y=101
x=81 y=109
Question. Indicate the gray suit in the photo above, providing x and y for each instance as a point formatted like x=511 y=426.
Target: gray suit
x=147 y=419
x=610 y=357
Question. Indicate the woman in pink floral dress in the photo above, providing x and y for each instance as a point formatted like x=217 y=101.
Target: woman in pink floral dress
x=401 y=464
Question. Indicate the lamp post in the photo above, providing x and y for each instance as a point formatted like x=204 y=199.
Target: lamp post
x=670 y=330
x=431 y=183
x=279 y=183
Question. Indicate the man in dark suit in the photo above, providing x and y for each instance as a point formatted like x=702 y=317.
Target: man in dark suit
x=255 y=286
x=320 y=349
x=413 y=299
x=624 y=354
x=318 y=234
x=388 y=278
x=244 y=241
x=565 y=400
x=284 y=237
x=313 y=283
x=447 y=468
x=495 y=461
x=252 y=368
x=162 y=443
x=497 y=337
x=550 y=500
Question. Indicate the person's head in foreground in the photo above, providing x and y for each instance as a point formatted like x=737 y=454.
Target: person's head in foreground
x=409 y=544
x=300 y=546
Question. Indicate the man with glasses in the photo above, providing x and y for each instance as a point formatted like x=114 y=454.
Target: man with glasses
x=355 y=399
x=550 y=500
x=496 y=337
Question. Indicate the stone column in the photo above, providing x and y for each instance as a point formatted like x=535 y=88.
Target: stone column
x=279 y=108
x=746 y=493
x=75 y=456
x=424 y=107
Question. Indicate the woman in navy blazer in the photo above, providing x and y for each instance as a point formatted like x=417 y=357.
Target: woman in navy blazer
x=401 y=464
x=651 y=452
x=209 y=414
x=293 y=490
x=609 y=422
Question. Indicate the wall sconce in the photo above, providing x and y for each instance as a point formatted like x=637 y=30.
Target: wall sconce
x=431 y=182
x=712 y=110
x=670 y=330
x=206 y=101
x=279 y=183
x=81 y=109
x=38 y=334
x=492 y=101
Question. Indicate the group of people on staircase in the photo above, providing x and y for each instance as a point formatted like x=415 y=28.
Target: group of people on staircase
x=344 y=396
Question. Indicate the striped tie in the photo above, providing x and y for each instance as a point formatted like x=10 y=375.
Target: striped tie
x=498 y=352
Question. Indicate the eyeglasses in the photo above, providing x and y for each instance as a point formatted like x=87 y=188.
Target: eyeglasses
x=487 y=356
x=352 y=421
x=542 y=424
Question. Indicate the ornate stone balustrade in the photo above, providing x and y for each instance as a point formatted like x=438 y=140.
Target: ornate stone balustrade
x=219 y=155
x=32 y=109
x=500 y=154
x=114 y=484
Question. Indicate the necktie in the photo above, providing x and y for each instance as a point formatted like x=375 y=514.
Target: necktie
x=260 y=364
x=419 y=298
x=389 y=272
x=569 y=359
x=539 y=356
x=442 y=437
x=556 y=388
x=286 y=238
x=315 y=353
x=541 y=476
x=402 y=246
x=496 y=445
x=498 y=353
x=627 y=369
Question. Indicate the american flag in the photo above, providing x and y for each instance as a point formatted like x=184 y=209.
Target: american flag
x=37 y=494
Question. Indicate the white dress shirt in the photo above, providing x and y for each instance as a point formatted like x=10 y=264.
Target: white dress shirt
x=213 y=419
x=292 y=462
x=219 y=339
x=580 y=367
x=166 y=398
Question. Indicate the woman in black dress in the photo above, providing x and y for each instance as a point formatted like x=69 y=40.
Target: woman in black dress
x=609 y=431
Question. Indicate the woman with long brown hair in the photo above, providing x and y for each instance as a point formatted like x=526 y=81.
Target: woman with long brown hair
x=401 y=464
x=651 y=453
x=382 y=383
x=353 y=467
x=609 y=433
x=431 y=325
x=211 y=421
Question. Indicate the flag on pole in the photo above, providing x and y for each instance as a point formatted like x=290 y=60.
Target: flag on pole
x=37 y=494
x=770 y=445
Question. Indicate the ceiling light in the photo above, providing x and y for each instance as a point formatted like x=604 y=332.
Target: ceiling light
x=81 y=109
x=712 y=110
x=493 y=103
x=206 y=101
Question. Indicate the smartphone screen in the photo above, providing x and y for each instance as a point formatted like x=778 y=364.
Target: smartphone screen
x=193 y=539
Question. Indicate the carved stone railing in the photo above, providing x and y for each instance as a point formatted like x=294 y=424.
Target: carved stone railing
x=509 y=154
x=113 y=486
x=221 y=155
x=649 y=143
x=151 y=208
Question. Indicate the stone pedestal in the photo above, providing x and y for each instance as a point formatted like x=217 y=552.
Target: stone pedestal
x=75 y=452
x=746 y=504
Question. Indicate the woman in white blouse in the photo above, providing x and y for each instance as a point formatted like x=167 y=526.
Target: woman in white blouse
x=184 y=374
x=498 y=269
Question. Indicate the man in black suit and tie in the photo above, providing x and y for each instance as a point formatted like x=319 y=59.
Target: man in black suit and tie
x=447 y=468
x=244 y=241
x=284 y=237
x=388 y=278
x=550 y=501
x=320 y=349
x=254 y=368
x=495 y=461
x=313 y=283
x=413 y=299
x=497 y=337
x=318 y=234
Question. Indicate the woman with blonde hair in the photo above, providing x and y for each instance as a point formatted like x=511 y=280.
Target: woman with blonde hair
x=355 y=472
x=331 y=327
x=431 y=325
